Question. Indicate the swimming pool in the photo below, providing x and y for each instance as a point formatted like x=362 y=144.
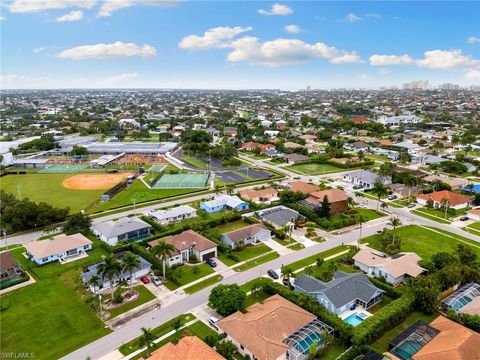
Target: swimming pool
x=355 y=319
x=465 y=300
x=407 y=349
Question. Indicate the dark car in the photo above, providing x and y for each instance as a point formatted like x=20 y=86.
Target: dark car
x=286 y=282
x=392 y=197
x=272 y=274
x=464 y=218
x=211 y=262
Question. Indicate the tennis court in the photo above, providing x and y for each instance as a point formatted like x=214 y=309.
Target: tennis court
x=181 y=181
x=60 y=169
x=157 y=168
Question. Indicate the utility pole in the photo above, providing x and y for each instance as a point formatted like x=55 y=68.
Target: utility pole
x=19 y=188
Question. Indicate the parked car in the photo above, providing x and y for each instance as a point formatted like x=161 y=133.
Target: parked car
x=272 y=274
x=296 y=178
x=464 y=218
x=411 y=205
x=156 y=280
x=362 y=206
x=356 y=187
x=286 y=281
x=211 y=262
x=213 y=322
x=392 y=197
x=145 y=280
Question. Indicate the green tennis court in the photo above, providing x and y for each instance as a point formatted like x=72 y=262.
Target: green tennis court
x=181 y=181
x=63 y=168
x=157 y=168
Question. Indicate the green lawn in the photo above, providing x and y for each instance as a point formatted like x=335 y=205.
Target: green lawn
x=473 y=228
x=48 y=188
x=311 y=259
x=138 y=192
x=252 y=263
x=159 y=331
x=334 y=350
x=232 y=226
x=186 y=274
x=246 y=253
x=435 y=215
x=424 y=241
x=203 y=284
x=194 y=162
x=145 y=296
x=315 y=168
x=258 y=297
x=369 y=214
x=381 y=344
x=47 y=312
x=296 y=247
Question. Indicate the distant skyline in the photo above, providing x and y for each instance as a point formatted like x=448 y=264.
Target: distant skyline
x=237 y=45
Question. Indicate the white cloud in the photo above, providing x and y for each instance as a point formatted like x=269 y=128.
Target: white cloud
x=16 y=81
x=40 y=49
x=110 y=6
x=351 y=17
x=120 y=79
x=346 y=58
x=293 y=29
x=473 y=40
x=381 y=60
x=106 y=51
x=71 y=16
x=277 y=9
x=285 y=51
x=473 y=74
x=218 y=37
x=446 y=59
x=27 y=6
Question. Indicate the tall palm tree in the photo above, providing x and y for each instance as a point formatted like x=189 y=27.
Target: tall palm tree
x=380 y=190
x=94 y=281
x=308 y=270
x=361 y=221
x=287 y=272
x=444 y=202
x=350 y=202
x=395 y=222
x=147 y=339
x=163 y=250
x=110 y=268
x=176 y=325
x=313 y=350
x=131 y=263
x=384 y=205
x=332 y=267
x=410 y=181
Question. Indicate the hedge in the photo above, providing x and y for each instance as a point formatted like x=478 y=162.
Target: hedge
x=390 y=291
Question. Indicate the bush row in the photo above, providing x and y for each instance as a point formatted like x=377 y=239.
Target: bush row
x=390 y=291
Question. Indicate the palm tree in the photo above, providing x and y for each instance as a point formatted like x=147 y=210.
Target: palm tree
x=217 y=188
x=163 y=250
x=409 y=182
x=131 y=263
x=350 y=202
x=313 y=350
x=147 y=339
x=287 y=272
x=395 y=222
x=384 y=205
x=230 y=189
x=110 y=268
x=332 y=267
x=308 y=270
x=94 y=281
x=470 y=187
x=380 y=190
x=176 y=325
x=444 y=202
x=361 y=221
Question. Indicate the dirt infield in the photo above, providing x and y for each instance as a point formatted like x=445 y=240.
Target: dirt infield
x=94 y=181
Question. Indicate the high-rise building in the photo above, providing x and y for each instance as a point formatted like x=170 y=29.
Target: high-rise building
x=417 y=85
x=449 y=86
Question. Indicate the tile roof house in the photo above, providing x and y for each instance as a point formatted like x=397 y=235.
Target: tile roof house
x=338 y=200
x=186 y=244
x=366 y=178
x=292 y=145
x=344 y=292
x=250 y=146
x=124 y=229
x=224 y=202
x=173 y=215
x=262 y=196
x=59 y=248
x=455 y=200
x=295 y=158
x=273 y=330
x=394 y=269
x=303 y=187
x=455 y=183
x=248 y=235
x=187 y=348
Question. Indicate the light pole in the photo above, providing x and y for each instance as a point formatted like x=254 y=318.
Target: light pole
x=19 y=189
x=4 y=232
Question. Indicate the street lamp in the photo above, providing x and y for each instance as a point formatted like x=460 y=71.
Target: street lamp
x=19 y=188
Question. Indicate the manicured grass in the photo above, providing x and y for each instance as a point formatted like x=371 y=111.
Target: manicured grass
x=48 y=320
x=473 y=228
x=311 y=259
x=159 y=331
x=431 y=214
x=252 y=263
x=258 y=297
x=144 y=296
x=323 y=271
x=185 y=274
x=284 y=242
x=48 y=188
x=203 y=284
x=315 y=169
x=194 y=162
x=296 y=247
x=246 y=253
x=231 y=226
x=381 y=344
x=424 y=241
x=369 y=214
x=334 y=350
x=138 y=192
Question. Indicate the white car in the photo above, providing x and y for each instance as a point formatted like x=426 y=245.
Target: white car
x=156 y=280
x=213 y=322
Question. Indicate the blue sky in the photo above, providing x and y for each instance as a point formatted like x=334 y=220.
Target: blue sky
x=235 y=45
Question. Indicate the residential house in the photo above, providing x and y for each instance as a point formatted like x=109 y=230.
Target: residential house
x=251 y=146
x=358 y=146
x=248 y=235
x=58 y=248
x=414 y=172
x=124 y=229
x=394 y=269
x=292 y=146
x=262 y=196
x=187 y=348
x=474 y=214
x=230 y=132
x=366 y=178
x=465 y=300
x=455 y=183
x=404 y=192
x=224 y=202
x=455 y=201
x=173 y=215
x=427 y=159
x=407 y=146
x=279 y=216
x=338 y=200
x=344 y=292
x=188 y=245
x=275 y=329
x=10 y=269
x=273 y=153
x=91 y=270
x=296 y=158
x=303 y=187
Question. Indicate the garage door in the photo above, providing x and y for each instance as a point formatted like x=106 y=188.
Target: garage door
x=208 y=255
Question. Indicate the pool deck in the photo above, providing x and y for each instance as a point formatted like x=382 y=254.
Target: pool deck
x=347 y=313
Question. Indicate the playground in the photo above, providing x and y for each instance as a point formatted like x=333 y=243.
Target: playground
x=181 y=181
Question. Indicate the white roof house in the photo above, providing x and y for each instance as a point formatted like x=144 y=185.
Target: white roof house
x=127 y=228
x=172 y=215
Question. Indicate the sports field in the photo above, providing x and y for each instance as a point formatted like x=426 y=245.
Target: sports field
x=53 y=188
x=181 y=181
x=61 y=169
x=157 y=168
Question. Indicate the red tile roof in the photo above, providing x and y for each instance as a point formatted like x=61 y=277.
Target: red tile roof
x=453 y=198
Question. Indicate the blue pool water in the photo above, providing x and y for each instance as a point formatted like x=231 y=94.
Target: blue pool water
x=407 y=349
x=462 y=302
x=354 y=319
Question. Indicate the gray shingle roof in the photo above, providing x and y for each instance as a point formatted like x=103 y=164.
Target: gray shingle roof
x=279 y=215
x=124 y=225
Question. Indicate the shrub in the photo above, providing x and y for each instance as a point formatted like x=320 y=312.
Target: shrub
x=118 y=298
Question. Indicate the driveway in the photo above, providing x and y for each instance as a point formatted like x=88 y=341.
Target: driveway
x=282 y=250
